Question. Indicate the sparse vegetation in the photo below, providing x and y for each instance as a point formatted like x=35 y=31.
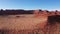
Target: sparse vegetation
x=17 y=16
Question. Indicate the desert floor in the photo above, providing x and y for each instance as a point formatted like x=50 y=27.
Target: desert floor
x=25 y=21
x=22 y=24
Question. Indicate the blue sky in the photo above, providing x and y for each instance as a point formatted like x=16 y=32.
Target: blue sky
x=30 y=4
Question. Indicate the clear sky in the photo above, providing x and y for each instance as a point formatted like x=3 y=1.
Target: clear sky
x=30 y=4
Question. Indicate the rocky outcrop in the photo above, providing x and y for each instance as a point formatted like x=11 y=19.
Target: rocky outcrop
x=43 y=13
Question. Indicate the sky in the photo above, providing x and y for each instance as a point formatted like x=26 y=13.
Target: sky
x=30 y=4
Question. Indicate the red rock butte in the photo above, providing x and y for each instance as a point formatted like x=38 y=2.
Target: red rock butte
x=45 y=13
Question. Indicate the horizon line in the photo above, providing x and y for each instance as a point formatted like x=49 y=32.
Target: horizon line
x=32 y=9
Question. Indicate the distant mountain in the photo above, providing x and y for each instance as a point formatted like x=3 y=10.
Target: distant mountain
x=13 y=12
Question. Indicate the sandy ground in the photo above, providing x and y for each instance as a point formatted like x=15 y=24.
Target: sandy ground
x=20 y=23
x=25 y=23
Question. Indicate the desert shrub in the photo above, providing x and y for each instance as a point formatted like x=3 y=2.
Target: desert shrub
x=47 y=11
x=17 y=16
